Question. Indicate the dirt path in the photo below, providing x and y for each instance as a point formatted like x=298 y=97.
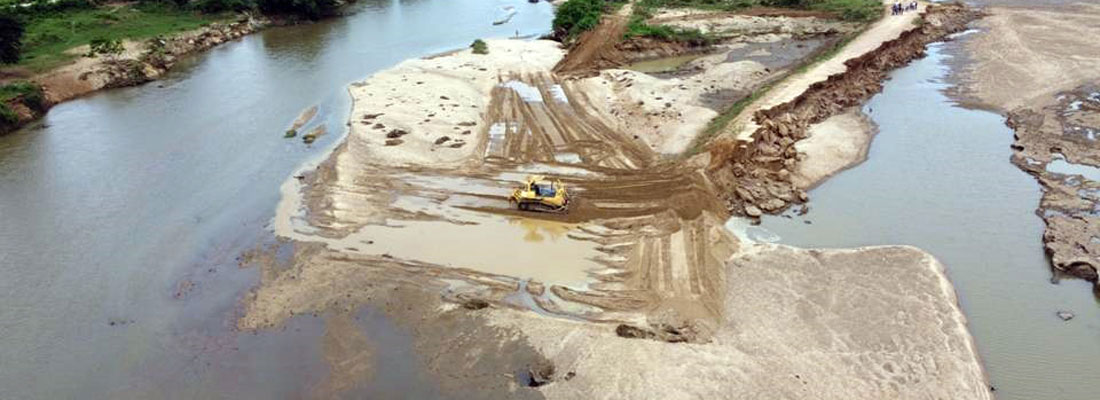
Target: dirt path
x=595 y=49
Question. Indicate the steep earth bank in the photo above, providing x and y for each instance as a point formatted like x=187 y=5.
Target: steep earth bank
x=1044 y=79
x=756 y=171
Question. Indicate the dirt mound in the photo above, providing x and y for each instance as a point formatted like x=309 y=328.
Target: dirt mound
x=596 y=49
x=756 y=175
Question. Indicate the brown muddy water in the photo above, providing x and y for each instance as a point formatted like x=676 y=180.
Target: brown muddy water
x=123 y=214
x=938 y=177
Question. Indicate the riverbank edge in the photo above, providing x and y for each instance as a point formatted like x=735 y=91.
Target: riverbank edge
x=755 y=176
x=139 y=64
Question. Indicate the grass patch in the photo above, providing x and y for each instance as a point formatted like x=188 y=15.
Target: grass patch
x=643 y=10
x=49 y=35
x=28 y=93
x=715 y=126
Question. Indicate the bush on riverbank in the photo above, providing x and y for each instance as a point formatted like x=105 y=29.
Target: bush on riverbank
x=312 y=9
x=26 y=93
x=480 y=47
x=576 y=16
x=11 y=38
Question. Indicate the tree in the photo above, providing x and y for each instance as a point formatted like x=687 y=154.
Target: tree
x=11 y=38
x=480 y=47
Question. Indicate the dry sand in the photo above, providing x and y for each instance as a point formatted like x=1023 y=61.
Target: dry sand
x=1024 y=56
x=870 y=323
x=836 y=144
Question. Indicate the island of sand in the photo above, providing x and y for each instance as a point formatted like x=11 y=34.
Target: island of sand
x=640 y=290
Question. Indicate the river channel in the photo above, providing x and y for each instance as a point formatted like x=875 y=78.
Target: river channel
x=938 y=177
x=123 y=214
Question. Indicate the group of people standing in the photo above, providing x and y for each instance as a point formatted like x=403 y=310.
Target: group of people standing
x=900 y=8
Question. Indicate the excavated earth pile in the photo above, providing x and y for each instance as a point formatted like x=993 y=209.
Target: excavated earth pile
x=755 y=176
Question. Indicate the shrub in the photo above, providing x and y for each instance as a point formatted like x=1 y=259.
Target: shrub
x=576 y=16
x=480 y=47
x=104 y=46
x=7 y=116
x=312 y=9
x=215 y=6
x=11 y=38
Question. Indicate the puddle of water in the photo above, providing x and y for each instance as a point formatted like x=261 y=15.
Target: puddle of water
x=1061 y=166
x=497 y=134
x=526 y=92
x=938 y=177
x=518 y=247
x=558 y=93
x=568 y=158
x=667 y=64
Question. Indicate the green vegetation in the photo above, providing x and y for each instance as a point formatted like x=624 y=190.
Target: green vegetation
x=312 y=9
x=50 y=34
x=104 y=46
x=576 y=16
x=11 y=36
x=35 y=34
x=643 y=10
x=715 y=126
x=851 y=10
x=480 y=47
x=27 y=93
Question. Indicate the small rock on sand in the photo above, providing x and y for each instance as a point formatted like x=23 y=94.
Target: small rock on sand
x=753 y=211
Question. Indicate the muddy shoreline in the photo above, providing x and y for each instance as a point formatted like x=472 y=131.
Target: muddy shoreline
x=1046 y=89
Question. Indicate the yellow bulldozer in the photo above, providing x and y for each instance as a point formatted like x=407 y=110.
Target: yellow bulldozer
x=538 y=193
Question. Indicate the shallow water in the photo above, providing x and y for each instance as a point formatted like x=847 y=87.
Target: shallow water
x=1061 y=166
x=666 y=64
x=122 y=214
x=938 y=177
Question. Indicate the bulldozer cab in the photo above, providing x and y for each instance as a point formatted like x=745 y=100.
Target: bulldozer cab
x=540 y=194
x=543 y=189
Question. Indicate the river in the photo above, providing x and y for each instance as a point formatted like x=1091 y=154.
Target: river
x=123 y=214
x=938 y=177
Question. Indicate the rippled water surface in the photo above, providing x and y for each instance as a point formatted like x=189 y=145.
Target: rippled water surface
x=122 y=214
